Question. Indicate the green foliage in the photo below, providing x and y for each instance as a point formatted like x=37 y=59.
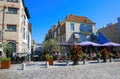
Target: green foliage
x=110 y=54
x=50 y=44
x=98 y=55
x=55 y=50
x=7 y=48
x=75 y=52
x=5 y=59
x=84 y=56
x=48 y=56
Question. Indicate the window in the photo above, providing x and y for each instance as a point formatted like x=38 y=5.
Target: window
x=12 y=1
x=24 y=33
x=72 y=26
x=12 y=10
x=24 y=20
x=89 y=27
x=11 y=28
x=82 y=27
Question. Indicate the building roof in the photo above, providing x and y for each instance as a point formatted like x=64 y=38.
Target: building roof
x=80 y=19
x=26 y=10
x=111 y=32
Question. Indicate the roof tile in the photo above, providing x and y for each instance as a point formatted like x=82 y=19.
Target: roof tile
x=81 y=19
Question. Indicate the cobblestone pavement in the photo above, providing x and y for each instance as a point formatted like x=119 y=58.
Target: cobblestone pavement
x=37 y=70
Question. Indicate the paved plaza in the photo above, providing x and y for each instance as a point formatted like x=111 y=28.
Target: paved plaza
x=38 y=70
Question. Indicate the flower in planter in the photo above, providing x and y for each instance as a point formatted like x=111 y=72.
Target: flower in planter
x=84 y=56
x=49 y=59
x=104 y=55
x=5 y=59
x=110 y=57
x=98 y=55
x=48 y=56
x=75 y=54
x=110 y=54
x=5 y=63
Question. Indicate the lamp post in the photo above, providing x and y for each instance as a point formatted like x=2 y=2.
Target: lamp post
x=3 y=19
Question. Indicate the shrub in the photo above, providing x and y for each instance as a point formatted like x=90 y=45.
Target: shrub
x=47 y=56
x=5 y=59
x=110 y=55
x=98 y=55
x=84 y=56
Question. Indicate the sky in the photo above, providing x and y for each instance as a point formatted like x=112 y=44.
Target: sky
x=45 y=13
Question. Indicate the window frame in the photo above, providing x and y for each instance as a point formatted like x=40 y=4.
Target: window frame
x=11 y=27
x=72 y=26
x=12 y=10
x=15 y=1
x=24 y=33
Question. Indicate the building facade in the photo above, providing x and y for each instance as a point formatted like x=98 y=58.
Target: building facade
x=15 y=27
x=74 y=29
x=112 y=31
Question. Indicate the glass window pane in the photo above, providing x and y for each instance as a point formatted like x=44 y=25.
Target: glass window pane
x=12 y=10
x=11 y=27
x=72 y=26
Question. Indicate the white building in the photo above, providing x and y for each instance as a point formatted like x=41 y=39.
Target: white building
x=75 y=29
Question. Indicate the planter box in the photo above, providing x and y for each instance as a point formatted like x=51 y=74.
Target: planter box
x=5 y=64
x=50 y=61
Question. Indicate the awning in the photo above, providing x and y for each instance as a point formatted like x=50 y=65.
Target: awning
x=76 y=36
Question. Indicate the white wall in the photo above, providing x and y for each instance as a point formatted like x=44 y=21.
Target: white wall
x=69 y=32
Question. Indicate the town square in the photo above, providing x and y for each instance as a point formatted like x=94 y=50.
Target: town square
x=59 y=39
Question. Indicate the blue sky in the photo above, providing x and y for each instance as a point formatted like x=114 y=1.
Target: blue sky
x=45 y=13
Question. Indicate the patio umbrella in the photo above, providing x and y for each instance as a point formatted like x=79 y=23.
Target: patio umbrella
x=88 y=43
x=110 y=44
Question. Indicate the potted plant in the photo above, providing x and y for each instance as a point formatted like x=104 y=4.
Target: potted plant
x=110 y=57
x=98 y=57
x=75 y=54
x=104 y=54
x=49 y=59
x=5 y=63
x=84 y=56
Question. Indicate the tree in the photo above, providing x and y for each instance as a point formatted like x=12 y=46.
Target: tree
x=7 y=48
x=50 y=44
x=93 y=37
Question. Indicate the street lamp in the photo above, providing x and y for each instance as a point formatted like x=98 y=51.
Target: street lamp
x=2 y=30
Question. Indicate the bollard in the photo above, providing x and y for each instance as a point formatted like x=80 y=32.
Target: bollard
x=111 y=59
x=84 y=61
x=23 y=66
x=98 y=60
x=47 y=64
x=67 y=62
